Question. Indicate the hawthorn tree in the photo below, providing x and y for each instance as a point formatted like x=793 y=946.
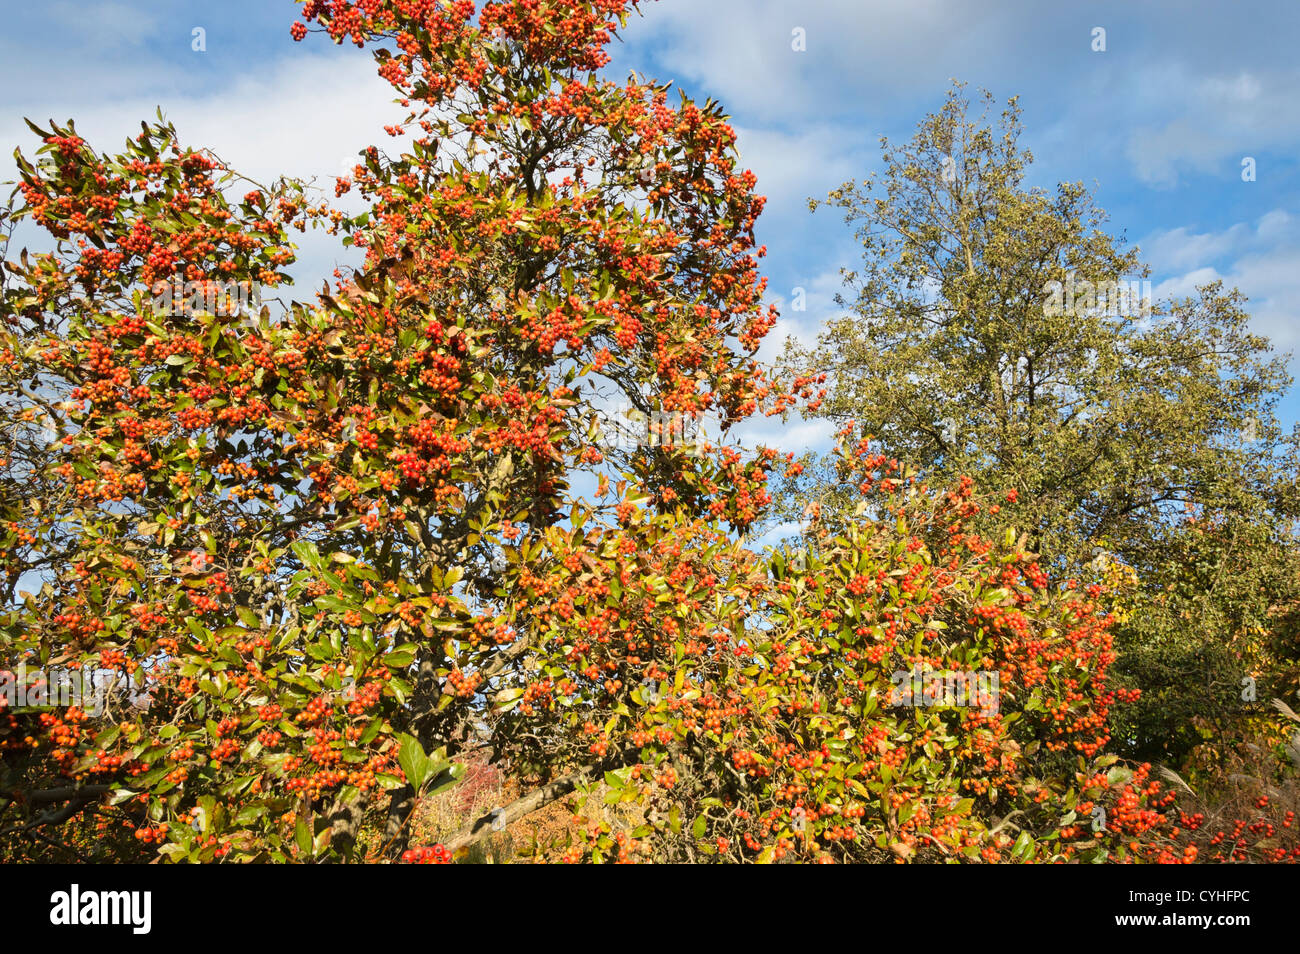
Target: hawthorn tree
x=313 y=542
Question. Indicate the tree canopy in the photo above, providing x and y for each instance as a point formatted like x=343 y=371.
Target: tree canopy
x=275 y=576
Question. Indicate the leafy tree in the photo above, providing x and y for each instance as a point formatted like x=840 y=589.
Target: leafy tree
x=312 y=542
x=999 y=330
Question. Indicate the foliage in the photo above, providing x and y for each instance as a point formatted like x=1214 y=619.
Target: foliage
x=1113 y=415
x=338 y=554
x=313 y=541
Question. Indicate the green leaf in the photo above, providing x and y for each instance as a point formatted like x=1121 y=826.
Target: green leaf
x=1022 y=846
x=306 y=552
x=302 y=835
x=411 y=757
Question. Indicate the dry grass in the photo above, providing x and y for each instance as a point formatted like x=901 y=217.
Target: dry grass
x=1250 y=802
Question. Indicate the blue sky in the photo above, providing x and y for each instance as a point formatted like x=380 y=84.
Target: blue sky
x=1158 y=123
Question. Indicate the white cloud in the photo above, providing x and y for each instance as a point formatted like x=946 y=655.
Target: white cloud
x=300 y=117
x=1182 y=249
x=1264 y=264
x=741 y=50
x=1275 y=225
x=1158 y=153
x=1185 y=285
x=1217 y=119
x=1272 y=281
x=1185 y=85
x=1243 y=88
x=794 y=167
